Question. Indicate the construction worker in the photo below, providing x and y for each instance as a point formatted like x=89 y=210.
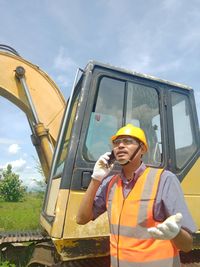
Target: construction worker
x=149 y=219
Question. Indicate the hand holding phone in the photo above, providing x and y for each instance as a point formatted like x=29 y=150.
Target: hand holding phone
x=102 y=167
x=111 y=159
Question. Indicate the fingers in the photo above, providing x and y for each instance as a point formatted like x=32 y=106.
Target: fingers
x=104 y=158
x=172 y=226
x=174 y=222
x=178 y=217
x=160 y=233
x=166 y=230
x=155 y=233
x=163 y=227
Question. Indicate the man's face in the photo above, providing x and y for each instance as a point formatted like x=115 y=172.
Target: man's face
x=124 y=147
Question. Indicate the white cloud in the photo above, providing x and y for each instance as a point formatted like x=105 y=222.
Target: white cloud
x=35 y=184
x=63 y=80
x=62 y=62
x=29 y=175
x=64 y=68
x=14 y=148
x=18 y=165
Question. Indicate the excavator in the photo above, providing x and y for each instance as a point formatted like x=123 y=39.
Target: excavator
x=70 y=136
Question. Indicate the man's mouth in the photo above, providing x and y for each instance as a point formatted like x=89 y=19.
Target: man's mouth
x=121 y=153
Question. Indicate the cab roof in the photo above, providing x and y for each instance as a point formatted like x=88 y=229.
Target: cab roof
x=92 y=64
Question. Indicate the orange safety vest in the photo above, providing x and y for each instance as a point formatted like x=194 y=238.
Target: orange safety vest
x=129 y=218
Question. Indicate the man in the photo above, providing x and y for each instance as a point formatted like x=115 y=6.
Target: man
x=149 y=220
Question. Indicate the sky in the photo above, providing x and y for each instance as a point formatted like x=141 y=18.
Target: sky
x=156 y=37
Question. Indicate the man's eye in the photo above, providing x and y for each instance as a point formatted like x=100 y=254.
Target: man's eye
x=128 y=141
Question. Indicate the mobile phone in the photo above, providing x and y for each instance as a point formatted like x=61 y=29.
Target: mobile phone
x=111 y=159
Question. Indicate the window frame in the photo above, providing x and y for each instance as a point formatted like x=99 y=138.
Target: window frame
x=181 y=172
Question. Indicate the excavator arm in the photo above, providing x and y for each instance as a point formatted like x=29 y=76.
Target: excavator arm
x=32 y=90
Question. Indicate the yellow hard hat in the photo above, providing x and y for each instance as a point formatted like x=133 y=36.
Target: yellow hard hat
x=132 y=131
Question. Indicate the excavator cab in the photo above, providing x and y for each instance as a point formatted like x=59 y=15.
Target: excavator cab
x=105 y=98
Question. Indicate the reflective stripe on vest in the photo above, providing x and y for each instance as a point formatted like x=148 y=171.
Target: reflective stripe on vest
x=174 y=262
x=129 y=218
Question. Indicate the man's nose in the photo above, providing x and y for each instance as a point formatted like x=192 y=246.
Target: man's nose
x=121 y=144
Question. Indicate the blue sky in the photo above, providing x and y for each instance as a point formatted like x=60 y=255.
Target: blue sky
x=157 y=37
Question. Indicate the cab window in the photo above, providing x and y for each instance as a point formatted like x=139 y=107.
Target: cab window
x=143 y=111
x=185 y=144
x=120 y=102
x=106 y=117
x=66 y=137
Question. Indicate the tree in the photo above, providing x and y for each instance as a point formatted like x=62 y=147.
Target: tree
x=40 y=184
x=11 y=188
x=38 y=167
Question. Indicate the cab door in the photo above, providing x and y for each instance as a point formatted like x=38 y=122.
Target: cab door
x=184 y=145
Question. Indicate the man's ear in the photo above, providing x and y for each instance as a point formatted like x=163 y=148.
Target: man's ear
x=143 y=148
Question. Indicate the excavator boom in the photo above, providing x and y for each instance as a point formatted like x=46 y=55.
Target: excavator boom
x=31 y=89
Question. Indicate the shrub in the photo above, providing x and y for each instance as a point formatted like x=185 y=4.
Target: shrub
x=11 y=188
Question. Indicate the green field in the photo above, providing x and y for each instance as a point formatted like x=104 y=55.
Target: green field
x=21 y=215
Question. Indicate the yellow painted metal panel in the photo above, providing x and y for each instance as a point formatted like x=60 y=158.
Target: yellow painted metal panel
x=53 y=195
x=99 y=227
x=60 y=212
x=190 y=183
x=191 y=189
x=45 y=224
x=193 y=203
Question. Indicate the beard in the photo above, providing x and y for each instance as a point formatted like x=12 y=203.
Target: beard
x=122 y=161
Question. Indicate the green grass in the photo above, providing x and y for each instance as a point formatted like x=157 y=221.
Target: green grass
x=6 y=264
x=21 y=215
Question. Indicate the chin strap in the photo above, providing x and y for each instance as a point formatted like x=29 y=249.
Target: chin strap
x=133 y=155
